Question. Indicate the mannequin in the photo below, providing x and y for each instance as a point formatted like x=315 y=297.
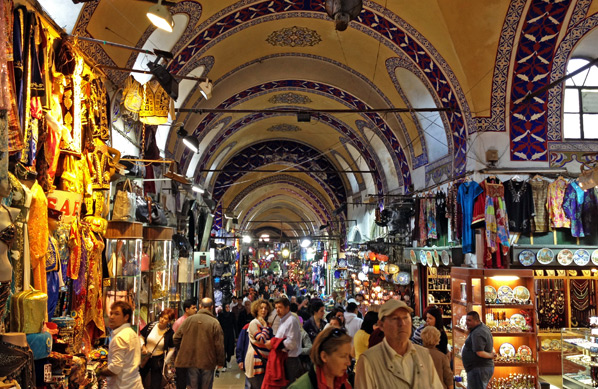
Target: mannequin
x=15 y=338
x=7 y=231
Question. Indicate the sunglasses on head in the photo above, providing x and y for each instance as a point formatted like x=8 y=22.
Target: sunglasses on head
x=335 y=333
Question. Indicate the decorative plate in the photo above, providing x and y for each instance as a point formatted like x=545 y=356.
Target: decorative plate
x=521 y=294
x=490 y=293
x=505 y=294
x=524 y=351
x=392 y=269
x=546 y=345
x=436 y=258
x=518 y=320
x=444 y=256
x=403 y=278
x=595 y=257
x=527 y=257
x=430 y=298
x=565 y=257
x=429 y=258
x=555 y=344
x=422 y=257
x=462 y=321
x=545 y=256
x=507 y=350
x=413 y=257
x=581 y=257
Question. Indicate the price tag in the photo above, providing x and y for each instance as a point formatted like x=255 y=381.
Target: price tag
x=48 y=373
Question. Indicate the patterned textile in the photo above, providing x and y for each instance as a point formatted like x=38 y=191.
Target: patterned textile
x=423 y=233
x=572 y=206
x=540 y=221
x=17 y=362
x=520 y=205
x=94 y=310
x=4 y=293
x=156 y=104
x=431 y=217
x=38 y=236
x=497 y=224
x=468 y=192
x=258 y=333
x=556 y=195
x=453 y=211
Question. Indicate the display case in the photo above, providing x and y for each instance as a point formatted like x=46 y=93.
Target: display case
x=158 y=273
x=504 y=299
x=579 y=358
x=439 y=291
x=124 y=242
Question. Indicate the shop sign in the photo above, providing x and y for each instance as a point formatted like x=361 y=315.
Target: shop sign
x=68 y=203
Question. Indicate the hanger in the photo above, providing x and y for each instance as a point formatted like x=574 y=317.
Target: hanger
x=516 y=178
x=537 y=177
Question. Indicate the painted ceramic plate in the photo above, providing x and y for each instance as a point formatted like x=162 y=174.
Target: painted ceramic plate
x=521 y=294
x=392 y=269
x=507 y=350
x=505 y=294
x=422 y=258
x=517 y=319
x=555 y=344
x=581 y=257
x=462 y=321
x=595 y=257
x=490 y=293
x=403 y=278
x=546 y=345
x=436 y=257
x=524 y=351
x=545 y=256
x=413 y=257
x=527 y=257
x=444 y=255
x=429 y=258
x=565 y=257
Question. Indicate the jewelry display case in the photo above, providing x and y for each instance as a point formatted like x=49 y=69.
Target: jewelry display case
x=579 y=358
x=158 y=272
x=124 y=242
x=505 y=301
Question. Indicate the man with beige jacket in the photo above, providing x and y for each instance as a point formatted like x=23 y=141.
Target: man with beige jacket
x=201 y=346
x=396 y=362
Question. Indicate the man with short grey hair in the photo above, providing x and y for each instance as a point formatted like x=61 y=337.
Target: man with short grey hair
x=201 y=346
x=478 y=352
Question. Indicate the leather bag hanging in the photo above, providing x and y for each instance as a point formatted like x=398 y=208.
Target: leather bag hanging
x=124 y=203
x=143 y=209
x=158 y=217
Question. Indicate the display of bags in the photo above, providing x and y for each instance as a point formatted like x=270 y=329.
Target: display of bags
x=29 y=311
x=124 y=204
x=142 y=209
x=40 y=344
x=158 y=217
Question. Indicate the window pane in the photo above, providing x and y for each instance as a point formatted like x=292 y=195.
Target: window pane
x=572 y=66
x=571 y=126
x=589 y=100
x=571 y=100
x=592 y=77
x=590 y=124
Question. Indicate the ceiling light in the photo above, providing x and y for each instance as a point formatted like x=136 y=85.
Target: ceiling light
x=285 y=253
x=205 y=87
x=192 y=143
x=324 y=226
x=306 y=242
x=246 y=239
x=160 y=17
x=198 y=189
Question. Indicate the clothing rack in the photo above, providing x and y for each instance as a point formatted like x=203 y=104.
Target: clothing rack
x=450 y=179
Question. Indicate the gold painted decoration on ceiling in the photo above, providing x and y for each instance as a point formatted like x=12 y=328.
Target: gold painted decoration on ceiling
x=284 y=128
x=289 y=98
x=294 y=37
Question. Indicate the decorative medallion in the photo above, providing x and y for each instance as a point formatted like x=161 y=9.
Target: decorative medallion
x=284 y=128
x=289 y=98
x=294 y=37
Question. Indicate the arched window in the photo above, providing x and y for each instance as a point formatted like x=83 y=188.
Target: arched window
x=580 y=113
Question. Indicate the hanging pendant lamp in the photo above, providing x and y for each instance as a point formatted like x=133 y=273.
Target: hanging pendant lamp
x=160 y=17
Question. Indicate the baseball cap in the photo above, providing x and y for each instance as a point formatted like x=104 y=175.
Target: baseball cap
x=390 y=306
x=352 y=300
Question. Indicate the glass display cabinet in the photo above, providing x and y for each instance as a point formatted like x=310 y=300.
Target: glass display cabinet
x=124 y=242
x=579 y=358
x=158 y=272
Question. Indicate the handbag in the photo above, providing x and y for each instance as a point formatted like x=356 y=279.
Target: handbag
x=142 y=209
x=124 y=204
x=146 y=357
x=158 y=217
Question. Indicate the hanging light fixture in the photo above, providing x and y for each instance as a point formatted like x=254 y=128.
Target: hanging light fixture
x=205 y=87
x=160 y=17
x=198 y=189
x=190 y=141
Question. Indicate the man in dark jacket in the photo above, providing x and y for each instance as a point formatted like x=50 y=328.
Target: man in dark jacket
x=201 y=346
x=241 y=351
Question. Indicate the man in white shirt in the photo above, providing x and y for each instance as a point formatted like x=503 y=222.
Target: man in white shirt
x=352 y=322
x=289 y=330
x=124 y=352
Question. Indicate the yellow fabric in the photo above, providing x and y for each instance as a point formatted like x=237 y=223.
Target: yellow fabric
x=156 y=104
x=360 y=341
x=38 y=236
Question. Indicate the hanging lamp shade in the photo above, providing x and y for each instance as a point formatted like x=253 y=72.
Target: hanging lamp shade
x=160 y=17
x=205 y=87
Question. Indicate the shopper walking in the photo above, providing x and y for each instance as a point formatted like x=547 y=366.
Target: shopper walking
x=156 y=340
x=430 y=338
x=478 y=352
x=124 y=351
x=331 y=355
x=259 y=333
x=201 y=346
x=396 y=362
x=226 y=319
x=433 y=317
x=316 y=322
x=289 y=331
x=190 y=308
x=352 y=322
x=362 y=337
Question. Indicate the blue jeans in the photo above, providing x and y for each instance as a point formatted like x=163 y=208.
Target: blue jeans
x=200 y=379
x=479 y=377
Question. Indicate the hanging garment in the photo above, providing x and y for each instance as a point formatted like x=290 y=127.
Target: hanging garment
x=468 y=192
x=423 y=226
x=454 y=212
x=431 y=217
x=520 y=205
x=556 y=195
x=540 y=220
x=52 y=278
x=20 y=197
x=589 y=214
x=156 y=104
x=38 y=236
x=99 y=110
x=496 y=222
x=573 y=206
x=94 y=314
x=441 y=214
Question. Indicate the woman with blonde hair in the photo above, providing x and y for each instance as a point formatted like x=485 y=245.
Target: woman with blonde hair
x=430 y=338
x=259 y=333
x=331 y=356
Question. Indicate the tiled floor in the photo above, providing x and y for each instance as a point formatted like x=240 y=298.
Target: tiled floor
x=232 y=378
x=555 y=381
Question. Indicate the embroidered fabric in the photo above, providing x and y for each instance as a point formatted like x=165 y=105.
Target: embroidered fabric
x=7 y=235
x=17 y=363
x=156 y=104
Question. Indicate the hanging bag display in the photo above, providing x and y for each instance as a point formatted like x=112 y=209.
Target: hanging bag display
x=158 y=217
x=143 y=209
x=124 y=204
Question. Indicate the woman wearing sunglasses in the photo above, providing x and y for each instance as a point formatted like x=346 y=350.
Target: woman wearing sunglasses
x=331 y=356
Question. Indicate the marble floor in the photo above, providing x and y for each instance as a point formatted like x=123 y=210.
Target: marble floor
x=555 y=381
x=232 y=378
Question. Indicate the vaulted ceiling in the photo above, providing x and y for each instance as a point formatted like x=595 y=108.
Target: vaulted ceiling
x=286 y=55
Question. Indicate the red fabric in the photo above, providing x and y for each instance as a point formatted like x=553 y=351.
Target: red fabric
x=339 y=382
x=275 y=377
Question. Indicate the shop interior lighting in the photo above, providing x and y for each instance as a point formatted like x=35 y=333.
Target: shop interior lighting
x=205 y=87
x=285 y=252
x=306 y=242
x=188 y=140
x=160 y=17
x=504 y=278
x=246 y=239
x=198 y=189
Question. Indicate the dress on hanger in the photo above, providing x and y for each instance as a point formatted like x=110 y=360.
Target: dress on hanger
x=572 y=206
x=431 y=217
x=468 y=192
x=38 y=236
x=556 y=195
x=540 y=220
x=520 y=205
x=52 y=277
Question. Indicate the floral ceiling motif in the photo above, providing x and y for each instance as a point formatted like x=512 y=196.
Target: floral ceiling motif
x=289 y=98
x=294 y=37
x=283 y=127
